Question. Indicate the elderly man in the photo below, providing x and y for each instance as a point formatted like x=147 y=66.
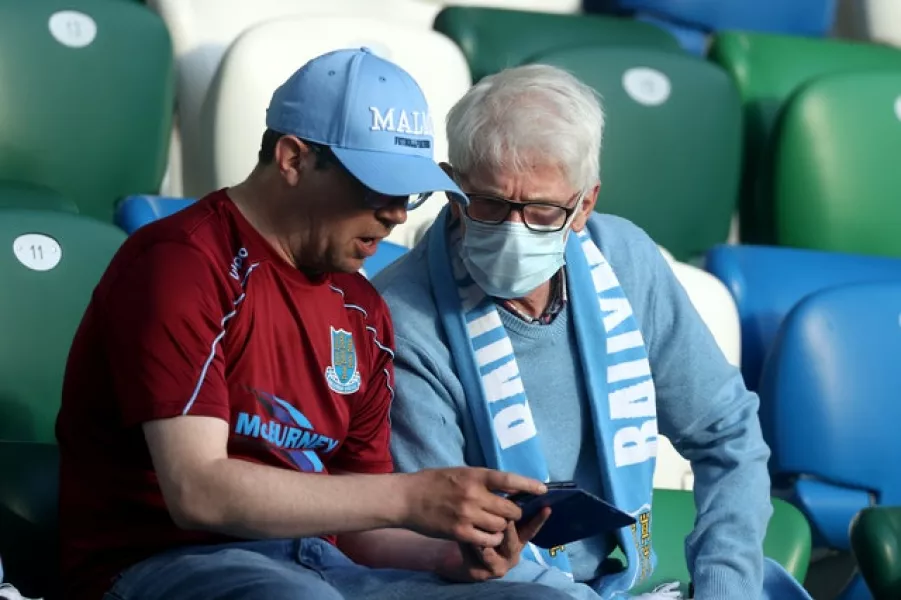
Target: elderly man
x=224 y=430
x=537 y=336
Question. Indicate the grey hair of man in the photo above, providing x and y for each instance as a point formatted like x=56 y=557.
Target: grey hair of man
x=533 y=114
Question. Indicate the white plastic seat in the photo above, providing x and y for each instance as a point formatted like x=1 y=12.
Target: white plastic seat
x=263 y=57
x=716 y=307
x=548 y=6
x=202 y=30
x=872 y=20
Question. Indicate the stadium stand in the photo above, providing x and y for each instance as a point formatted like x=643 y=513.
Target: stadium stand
x=876 y=541
x=767 y=282
x=56 y=260
x=76 y=118
x=768 y=69
x=679 y=177
x=836 y=179
x=264 y=56
x=494 y=39
x=829 y=408
x=202 y=31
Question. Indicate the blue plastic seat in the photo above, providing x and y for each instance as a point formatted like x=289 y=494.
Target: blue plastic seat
x=797 y=17
x=830 y=405
x=136 y=211
x=767 y=282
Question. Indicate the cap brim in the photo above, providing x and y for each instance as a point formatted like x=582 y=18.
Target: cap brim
x=398 y=175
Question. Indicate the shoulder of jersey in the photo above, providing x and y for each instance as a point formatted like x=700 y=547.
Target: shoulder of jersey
x=358 y=290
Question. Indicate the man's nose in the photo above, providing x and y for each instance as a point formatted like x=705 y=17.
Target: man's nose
x=393 y=214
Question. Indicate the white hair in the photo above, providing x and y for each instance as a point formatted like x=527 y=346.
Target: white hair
x=534 y=114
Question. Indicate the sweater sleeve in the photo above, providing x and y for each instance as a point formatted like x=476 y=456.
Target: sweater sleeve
x=426 y=428
x=711 y=418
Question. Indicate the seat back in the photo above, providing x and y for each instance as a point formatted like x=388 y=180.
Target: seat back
x=797 y=17
x=86 y=96
x=50 y=264
x=494 y=39
x=678 y=179
x=829 y=390
x=263 y=57
x=768 y=68
x=836 y=177
x=28 y=517
x=767 y=282
x=202 y=30
x=876 y=543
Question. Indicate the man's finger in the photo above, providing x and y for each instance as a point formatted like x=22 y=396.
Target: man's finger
x=478 y=538
x=529 y=530
x=501 y=481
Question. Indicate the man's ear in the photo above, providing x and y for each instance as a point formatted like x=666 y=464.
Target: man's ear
x=292 y=157
x=589 y=201
x=448 y=170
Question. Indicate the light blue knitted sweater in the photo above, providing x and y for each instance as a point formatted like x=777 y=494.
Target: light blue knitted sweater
x=703 y=408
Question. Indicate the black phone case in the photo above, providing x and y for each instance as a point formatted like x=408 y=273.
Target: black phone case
x=575 y=515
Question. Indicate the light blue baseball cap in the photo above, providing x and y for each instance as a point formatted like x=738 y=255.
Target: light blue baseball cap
x=373 y=116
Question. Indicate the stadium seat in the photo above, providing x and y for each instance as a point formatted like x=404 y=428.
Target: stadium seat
x=672 y=141
x=796 y=17
x=545 y=6
x=265 y=56
x=715 y=306
x=767 y=282
x=57 y=258
x=768 y=69
x=16 y=194
x=871 y=20
x=692 y=39
x=137 y=211
x=836 y=176
x=86 y=95
x=829 y=405
x=202 y=30
x=28 y=506
x=787 y=539
x=876 y=543
x=494 y=39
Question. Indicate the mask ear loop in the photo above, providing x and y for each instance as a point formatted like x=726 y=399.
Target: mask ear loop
x=567 y=228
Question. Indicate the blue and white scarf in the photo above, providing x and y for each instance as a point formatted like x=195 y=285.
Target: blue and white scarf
x=617 y=376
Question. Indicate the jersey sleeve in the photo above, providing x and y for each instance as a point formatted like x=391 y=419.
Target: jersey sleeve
x=366 y=448
x=164 y=320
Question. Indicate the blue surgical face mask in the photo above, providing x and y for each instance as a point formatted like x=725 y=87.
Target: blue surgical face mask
x=509 y=260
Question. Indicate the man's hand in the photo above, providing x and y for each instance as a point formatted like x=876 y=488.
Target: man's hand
x=461 y=504
x=467 y=563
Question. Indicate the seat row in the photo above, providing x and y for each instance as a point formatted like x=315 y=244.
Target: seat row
x=686 y=137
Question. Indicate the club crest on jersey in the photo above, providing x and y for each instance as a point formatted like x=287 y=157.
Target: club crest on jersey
x=342 y=374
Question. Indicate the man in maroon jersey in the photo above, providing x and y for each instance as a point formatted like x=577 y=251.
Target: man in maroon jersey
x=224 y=425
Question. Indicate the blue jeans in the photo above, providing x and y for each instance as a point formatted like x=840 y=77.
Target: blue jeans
x=306 y=569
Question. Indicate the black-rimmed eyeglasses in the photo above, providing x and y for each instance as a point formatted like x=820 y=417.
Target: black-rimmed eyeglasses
x=542 y=217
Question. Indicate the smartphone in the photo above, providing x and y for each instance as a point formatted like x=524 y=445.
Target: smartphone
x=575 y=514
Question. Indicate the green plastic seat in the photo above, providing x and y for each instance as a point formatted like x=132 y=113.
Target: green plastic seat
x=86 y=99
x=40 y=310
x=493 y=39
x=671 y=154
x=788 y=538
x=768 y=69
x=29 y=474
x=876 y=543
x=837 y=172
x=15 y=194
